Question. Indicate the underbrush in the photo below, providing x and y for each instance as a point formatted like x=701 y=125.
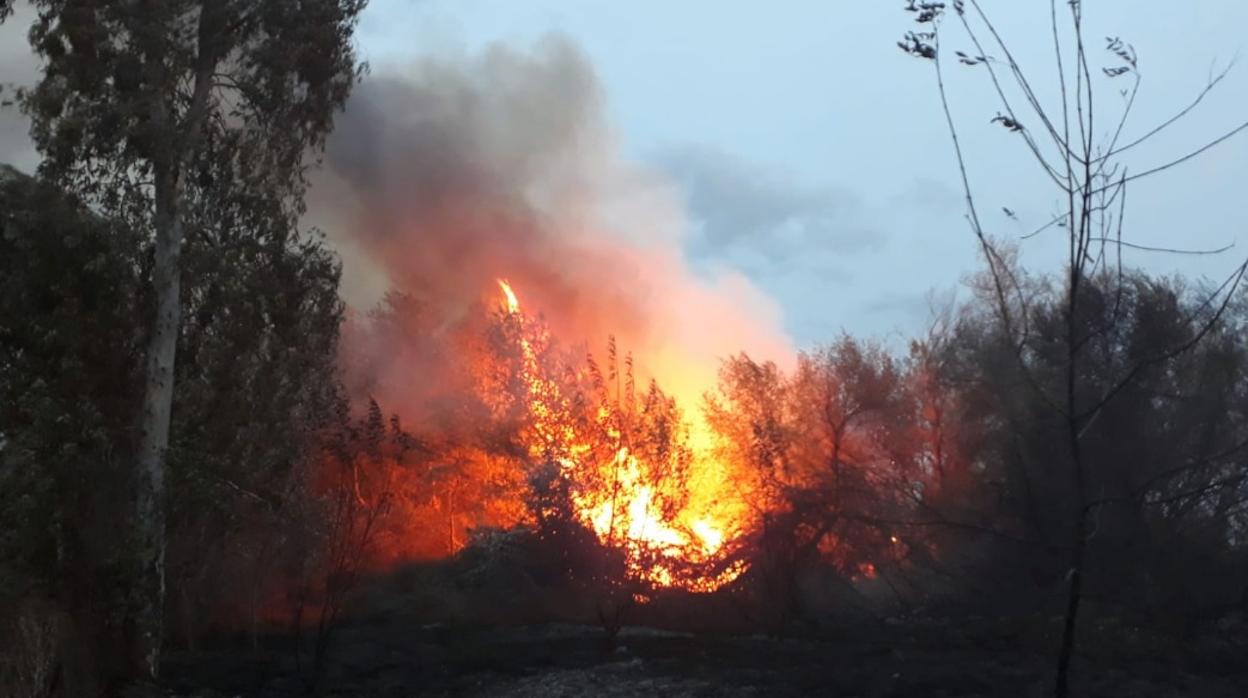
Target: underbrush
x=32 y=645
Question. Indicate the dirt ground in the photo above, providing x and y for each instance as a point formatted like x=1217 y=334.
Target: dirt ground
x=386 y=657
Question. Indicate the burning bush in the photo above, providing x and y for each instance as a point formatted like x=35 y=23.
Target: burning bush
x=625 y=493
x=554 y=438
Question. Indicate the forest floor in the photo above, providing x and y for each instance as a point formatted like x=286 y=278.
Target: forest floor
x=386 y=657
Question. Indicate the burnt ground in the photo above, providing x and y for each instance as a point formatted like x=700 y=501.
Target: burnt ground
x=390 y=656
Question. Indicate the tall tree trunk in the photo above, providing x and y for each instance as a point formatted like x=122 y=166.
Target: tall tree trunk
x=167 y=163
x=157 y=406
x=1074 y=595
x=1074 y=590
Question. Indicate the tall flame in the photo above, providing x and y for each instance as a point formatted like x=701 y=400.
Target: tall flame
x=627 y=515
x=509 y=296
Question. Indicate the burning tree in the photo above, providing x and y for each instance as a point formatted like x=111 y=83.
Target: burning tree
x=517 y=431
x=828 y=468
x=620 y=455
x=628 y=494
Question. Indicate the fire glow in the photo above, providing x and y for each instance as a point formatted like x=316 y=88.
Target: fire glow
x=617 y=499
x=440 y=183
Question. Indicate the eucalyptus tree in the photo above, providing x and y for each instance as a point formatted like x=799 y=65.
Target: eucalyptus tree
x=183 y=118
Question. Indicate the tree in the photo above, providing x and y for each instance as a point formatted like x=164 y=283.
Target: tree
x=69 y=361
x=825 y=464
x=356 y=486
x=258 y=387
x=1091 y=184
x=1164 y=458
x=259 y=392
x=181 y=118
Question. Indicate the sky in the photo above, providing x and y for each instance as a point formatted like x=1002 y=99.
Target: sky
x=809 y=153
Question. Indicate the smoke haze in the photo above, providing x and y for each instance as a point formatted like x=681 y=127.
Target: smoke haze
x=450 y=173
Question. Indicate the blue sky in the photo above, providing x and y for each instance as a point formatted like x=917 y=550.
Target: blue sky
x=803 y=115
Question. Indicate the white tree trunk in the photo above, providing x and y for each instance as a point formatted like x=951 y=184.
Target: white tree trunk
x=154 y=441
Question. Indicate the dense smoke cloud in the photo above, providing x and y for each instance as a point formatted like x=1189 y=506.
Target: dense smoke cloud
x=447 y=174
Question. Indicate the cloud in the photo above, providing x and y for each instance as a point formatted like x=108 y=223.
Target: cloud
x=913 y=308
x=930 y=196
x=738 y=205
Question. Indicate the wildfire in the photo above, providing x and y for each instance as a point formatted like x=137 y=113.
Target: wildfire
x=618 y=496
x=509 y=296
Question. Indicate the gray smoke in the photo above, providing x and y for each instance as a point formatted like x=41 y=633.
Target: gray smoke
x=450 y=173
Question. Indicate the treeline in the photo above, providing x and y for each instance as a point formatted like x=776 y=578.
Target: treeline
x=1058 y=440
x=935 y=481
x=261 y=436
x=166 y=328
x=947 y=474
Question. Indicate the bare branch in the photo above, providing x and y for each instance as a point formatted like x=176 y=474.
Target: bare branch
x=1178 y=161
x=1014 y=124
x=1212 y=83
x=1119 y=242
x=1233 y=282
x=1055 y=221
x=1122 y=122
x=1063 y=144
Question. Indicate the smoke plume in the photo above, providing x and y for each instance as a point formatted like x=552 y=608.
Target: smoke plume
x=448 y=174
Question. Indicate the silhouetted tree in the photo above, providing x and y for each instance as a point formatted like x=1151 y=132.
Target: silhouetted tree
x=1091 y=183
x=183 y=118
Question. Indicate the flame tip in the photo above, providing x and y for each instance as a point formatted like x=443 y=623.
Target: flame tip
x=509 y=296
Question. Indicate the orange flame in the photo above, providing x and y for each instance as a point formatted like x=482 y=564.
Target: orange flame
x=626 y=514
x=509 y=296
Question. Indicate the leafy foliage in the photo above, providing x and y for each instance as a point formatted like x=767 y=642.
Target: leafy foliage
x=258 y=392
x=70 y=285
x=231 y=94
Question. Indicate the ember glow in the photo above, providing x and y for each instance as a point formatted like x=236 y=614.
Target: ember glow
x=502 y=246
x=618 y=497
